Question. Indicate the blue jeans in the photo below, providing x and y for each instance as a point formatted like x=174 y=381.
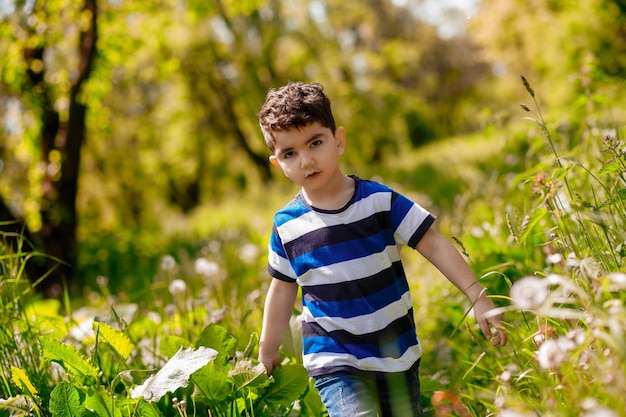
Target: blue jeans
x=349 y=395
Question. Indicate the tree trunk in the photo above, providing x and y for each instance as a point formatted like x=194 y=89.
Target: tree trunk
x=60 y=187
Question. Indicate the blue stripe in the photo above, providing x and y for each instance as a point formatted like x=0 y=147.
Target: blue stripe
x=341 y=252
x=358 y=306
x=394 y=349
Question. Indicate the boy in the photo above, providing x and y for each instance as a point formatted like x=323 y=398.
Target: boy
x=339 y=239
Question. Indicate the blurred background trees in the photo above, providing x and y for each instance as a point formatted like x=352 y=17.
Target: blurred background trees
x=117 y=115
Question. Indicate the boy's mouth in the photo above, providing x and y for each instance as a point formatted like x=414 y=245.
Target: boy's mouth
x=311 y=175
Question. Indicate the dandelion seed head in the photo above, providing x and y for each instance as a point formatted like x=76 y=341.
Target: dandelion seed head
x=249 y=253
x=178 y=286
x=592 y=408
x=529 y=293
x=167 y=263
x=506 y=376
x=617 y=281
x=550 y=354
x=507 y=412
x=205 y=267
x=554 y=258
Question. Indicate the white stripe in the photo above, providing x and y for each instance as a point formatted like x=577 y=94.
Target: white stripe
x=312 y=220
x=411 y=222
x=280 y=264
x=366 y=323
x=352 y=269
x=329 y=359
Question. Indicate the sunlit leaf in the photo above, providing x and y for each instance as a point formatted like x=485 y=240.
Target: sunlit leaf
x=20 y=379
x=116 y=339
x=174 y=374
x=171 y=344
x=68 y=357
x=218 y=338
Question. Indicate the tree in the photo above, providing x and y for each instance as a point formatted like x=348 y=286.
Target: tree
x=62 y=131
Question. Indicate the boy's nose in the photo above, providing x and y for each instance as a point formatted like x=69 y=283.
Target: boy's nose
x=306 y=161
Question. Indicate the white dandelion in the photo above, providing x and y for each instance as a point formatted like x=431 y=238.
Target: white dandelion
x=529 y=293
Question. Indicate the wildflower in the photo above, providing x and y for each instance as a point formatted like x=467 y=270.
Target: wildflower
x=529 y=293
x=550 y=354
x=178 y=286
x=249 y=253
x=515 y=413
x=554 y=258
x=553 y=351
x=587 y=268
x=617 y=281
x=206 y=267
x=167 y=263
x=592 y=408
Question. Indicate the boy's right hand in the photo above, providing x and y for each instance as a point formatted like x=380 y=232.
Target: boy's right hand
x=270 y=362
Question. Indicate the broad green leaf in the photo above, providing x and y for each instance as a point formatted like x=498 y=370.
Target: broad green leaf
x=218 y=338
x=174 y=374
x=172 y=344
x=20 y=379
x=102 y=404
x=212 y=380
x=68 y=357
x=290 y=382
x=116 y=339
x=65 y=401
x=311 y=404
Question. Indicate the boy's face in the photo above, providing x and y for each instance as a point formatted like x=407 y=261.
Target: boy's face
x=309 y=156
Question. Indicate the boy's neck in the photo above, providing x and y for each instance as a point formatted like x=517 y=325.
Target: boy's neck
x=334 y=199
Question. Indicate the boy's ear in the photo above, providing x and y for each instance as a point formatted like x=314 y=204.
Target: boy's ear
x=274 y=161
x=340 y=139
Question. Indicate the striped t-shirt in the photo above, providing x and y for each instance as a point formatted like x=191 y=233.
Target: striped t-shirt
x=357 y=313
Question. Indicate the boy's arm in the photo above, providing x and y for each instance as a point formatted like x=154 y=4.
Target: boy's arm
x=279 y=303
x=447 y=259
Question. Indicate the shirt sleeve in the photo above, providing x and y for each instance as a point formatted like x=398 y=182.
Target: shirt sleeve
x=278 y=266
x=411 y=221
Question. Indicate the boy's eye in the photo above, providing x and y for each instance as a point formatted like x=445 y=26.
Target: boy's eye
x=316 y=143
x=288 y=155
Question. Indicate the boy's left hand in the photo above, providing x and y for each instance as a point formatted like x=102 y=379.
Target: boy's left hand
x=490 y=322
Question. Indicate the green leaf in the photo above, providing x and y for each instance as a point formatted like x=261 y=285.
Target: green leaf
x=218 y=338
x=172 y=344
x=116 y=339
x=213 y=382
x=611 y=167
x=102 y=404
x=65 y=401
x=290 y=382
x=68 y=357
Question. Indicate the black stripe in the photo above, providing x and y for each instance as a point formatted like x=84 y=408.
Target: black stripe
x=340 y=233
x=421 y=231
x=378 y=338
x=347 y=290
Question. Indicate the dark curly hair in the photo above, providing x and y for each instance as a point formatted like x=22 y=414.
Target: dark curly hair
x=294 y=105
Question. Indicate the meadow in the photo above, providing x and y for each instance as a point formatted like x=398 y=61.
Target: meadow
x=538 y=211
